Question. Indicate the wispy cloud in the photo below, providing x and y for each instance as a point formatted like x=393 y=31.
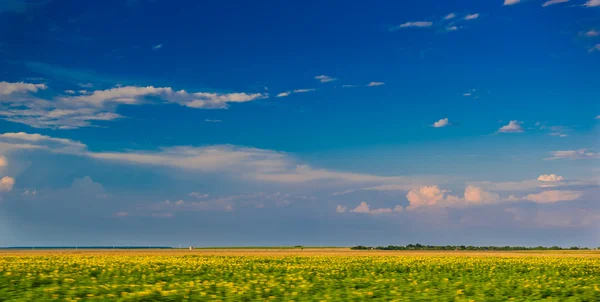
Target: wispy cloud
x=592 y=3
x=591 y=33
x=86 y=85
x=450 y=16
x=573 y=154
x=553 y=196
x=283 y=94
x=595 y=48
x=471 y=16
x=415 y=24
x=212 y=121
x=304 y=90
x=348 y=86
x=452 y=28
x=324 y=79
x=511 y=2
x=512 y=127
x=441 y=123
x=551 y=2
x=375 y=84
x=156 y=47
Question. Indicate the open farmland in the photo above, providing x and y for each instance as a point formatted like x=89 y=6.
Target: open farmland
x=298 y=275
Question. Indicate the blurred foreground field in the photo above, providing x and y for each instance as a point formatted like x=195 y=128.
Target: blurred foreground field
x=310 y=274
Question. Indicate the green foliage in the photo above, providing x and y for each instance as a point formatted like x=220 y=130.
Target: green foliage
x=299 y=278
x=463 y=248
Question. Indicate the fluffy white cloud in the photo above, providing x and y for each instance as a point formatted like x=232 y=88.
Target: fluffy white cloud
x=592 y=3
x=340 y=209
x=550 y=178
x=364 y=208
x=6 y=183
x=449 y=16
x=471 y=16
x=429 y=196
x=375 y=84
x=551 y=2
x=573 y=154
x=441 y=123
x=284 y=94
x=553 y=196
x=512 y=127
x=7 y=88
x=511 y=2
x=324 y=79
x=416 y=24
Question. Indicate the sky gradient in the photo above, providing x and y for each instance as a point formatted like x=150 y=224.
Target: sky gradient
x=236 y=123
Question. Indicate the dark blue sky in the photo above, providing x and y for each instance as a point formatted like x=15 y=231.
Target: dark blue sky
x=299 y=122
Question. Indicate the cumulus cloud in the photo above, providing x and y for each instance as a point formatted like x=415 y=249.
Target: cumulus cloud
x=283 y=94
x=550 y=178
x=7 y=88
x=75 y=111
x=511 y=2
x=551 y=2
x=340 y=209
x=449 y=16
x=592 y=3
x=375 y=84
x=364 y=208
x=324 y=79
x=416 y=24
x=553 y=196
x=573 y=154
x=6 y=183
x=512 y=127
x=429 y=196
x=441 y=123
x=471 y=16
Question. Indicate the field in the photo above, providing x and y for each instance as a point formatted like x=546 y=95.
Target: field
x=298 y=275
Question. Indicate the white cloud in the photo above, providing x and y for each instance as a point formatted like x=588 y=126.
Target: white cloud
x=511 y=2
x=69 y=91
x=41 y=141
x=595 y=47
x=6 y=183
x=324 y=79
x=471 y=16
x=592 y=3
x=416 y=24
x=375 y=84
x=30 y=193
x=340 y=209
x=197 y=195
x=467 y=94
x=449 y=16
x=86 y=85
x=591 y=33
x=598 y=117
x=364 y=208
x=100 y=105
x=441 y=123
x=283 y=94
x=429 y=196
x=156 y=47
x=348 y=86
x=553 y=196
x=7 y=88
x=573 y=154
x=550 y=178
x=512 y=127
x=451 y=28
x=551 y=2
x=304 y=90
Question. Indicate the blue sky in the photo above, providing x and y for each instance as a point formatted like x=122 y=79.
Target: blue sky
x=299 y=122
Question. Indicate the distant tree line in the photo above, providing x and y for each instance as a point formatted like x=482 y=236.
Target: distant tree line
x=463 y=248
